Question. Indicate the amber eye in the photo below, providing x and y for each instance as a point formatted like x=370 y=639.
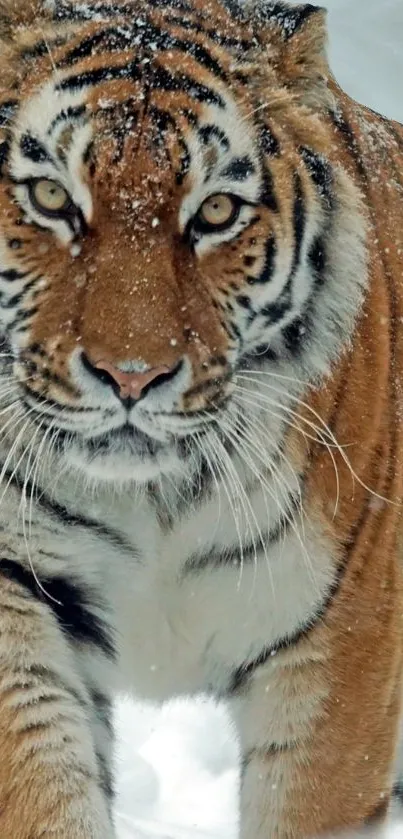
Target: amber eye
x=49 y=197
x=218 y=212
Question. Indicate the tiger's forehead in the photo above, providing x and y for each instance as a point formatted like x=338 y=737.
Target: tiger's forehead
x=135 y=140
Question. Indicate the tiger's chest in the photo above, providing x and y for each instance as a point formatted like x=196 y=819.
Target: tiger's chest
x=213 y=593
x=193 y=601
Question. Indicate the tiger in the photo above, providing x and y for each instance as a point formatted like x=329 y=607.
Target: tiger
x=201 y=309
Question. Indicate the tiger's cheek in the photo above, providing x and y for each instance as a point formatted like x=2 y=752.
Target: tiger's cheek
x=240 y=268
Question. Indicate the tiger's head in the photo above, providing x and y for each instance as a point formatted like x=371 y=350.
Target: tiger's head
x=172 y=220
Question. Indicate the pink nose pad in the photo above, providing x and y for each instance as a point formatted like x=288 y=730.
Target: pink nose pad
x=131 y=384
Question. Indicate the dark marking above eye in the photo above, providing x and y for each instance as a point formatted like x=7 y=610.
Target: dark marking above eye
x=34 y=150
x=239 y=169
x=207 y=133
x=69 y=114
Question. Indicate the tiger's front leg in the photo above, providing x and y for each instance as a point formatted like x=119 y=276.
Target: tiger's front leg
x=318 y=739
x=53 y=771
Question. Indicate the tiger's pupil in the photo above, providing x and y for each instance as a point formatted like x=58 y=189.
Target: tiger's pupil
x=217 y=210
x=50 y=196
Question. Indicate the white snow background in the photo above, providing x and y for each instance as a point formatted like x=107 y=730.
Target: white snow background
x=177 y=766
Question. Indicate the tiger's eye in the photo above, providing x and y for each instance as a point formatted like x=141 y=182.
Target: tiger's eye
x=218 y=210
x=49 y=196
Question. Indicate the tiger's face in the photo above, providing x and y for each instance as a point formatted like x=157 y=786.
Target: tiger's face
x=161 y=232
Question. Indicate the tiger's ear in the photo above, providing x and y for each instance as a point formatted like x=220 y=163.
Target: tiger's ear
x=296 y=39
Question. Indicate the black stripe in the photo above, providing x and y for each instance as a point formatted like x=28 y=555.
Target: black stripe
x=4 y=151
x=162 y=79
x=299 y=223
x=268 y=143
x=66 y=517
x=13 y=301
x=21 y=317
x=75 y=520
x=152 y=34
x=296 y=333
x=244 y=301
x=269 y=263
x=34 y=150
x=10 y=275
x=164 y=121
x=103 y=709
x=105 y=776
x=42 y=48
x=239 y=169
x=275 y=312
x=242 y=675
x=111 y=38
x=99 y=75
x=82 y=11
x=7 y=110
x=398 y=791
x=241 y=45
x=205 y=387
x=70 y=601
x=350 y=140
x=210 y=132
x=318 y=260
x=321 y=173
x=232 y=555
x=68 y=114
x=267 y=192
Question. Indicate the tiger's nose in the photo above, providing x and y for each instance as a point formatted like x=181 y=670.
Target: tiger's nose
x=128 y=385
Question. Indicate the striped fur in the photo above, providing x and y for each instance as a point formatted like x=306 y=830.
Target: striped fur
x=236 y=530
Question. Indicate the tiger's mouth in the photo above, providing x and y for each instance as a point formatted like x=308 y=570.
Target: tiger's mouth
x=120 y=455
x=127 y=439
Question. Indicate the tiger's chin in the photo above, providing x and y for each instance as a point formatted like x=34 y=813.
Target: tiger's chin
x=120 y=459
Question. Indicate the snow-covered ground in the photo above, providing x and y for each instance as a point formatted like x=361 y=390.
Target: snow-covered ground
x=177 y=767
